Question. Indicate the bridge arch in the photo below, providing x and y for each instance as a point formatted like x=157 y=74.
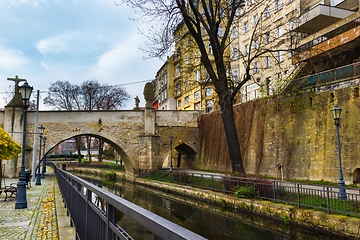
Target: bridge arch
x=128 y=164
x=141 y=137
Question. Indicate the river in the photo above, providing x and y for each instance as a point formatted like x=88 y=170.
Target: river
x=209 y=221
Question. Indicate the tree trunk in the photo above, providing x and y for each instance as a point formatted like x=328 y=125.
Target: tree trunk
x=101 y=149
x=227 y=115
x=88 y=146
x=78 y=147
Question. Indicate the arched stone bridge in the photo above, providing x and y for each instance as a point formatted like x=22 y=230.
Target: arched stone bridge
x=141 y=137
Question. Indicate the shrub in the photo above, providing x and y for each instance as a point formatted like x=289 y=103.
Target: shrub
x=244 y=191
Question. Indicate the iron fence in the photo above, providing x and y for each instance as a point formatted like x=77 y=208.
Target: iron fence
x=93 y=212
x=318 y=197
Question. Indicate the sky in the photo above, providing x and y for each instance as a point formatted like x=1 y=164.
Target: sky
x=43 y=41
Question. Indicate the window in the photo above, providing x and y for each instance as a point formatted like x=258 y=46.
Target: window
x=252 y=91
x=235 y=75
x=177 y=69
x=256 y=67
x=220 y=31
x=208 y=91
x=256 y=44
x=278 y=5
x=278 y=31
x=278 y=56
x=197 y=95
x=335 y=2
x=267 y=37
x=266 y=12
x=209 y=104
x=234 y=32
x=178 y=88
x=267 y=62
x=235 y=53
x=197 y=106
x=186 y=82
x=246 y=26
x=187 y=99
x=255 y=20
x=246 y=49
x=197 y=75
x=210 y=49
x=179 y=103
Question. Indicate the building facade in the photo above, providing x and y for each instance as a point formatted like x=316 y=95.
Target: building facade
x=273 y=41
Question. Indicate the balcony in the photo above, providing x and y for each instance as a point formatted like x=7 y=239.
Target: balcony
x=342 y=39
x=320 y=17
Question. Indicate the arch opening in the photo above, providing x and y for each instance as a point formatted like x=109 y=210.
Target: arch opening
x=184 y=157
x=356 y=176
x=124 y=158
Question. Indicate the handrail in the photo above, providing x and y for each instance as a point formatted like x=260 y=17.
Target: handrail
x=93 y=212
x=320 y=197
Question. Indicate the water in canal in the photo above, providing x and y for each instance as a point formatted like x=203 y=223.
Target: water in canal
x=212 y=222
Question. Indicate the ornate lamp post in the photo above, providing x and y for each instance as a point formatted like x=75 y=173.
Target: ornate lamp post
x=171 y=166
x=44 y=159
x=336 y=112
x=38 y=175
x=21 y=201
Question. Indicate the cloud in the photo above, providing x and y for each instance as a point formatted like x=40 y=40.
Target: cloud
x=18 y=3
x=56 y=44
x=121 y=56
x=11 y=58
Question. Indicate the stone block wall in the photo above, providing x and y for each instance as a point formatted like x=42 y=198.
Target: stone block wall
x=297 y=132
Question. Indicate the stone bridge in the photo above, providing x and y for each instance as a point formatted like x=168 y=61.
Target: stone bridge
x=140 y=137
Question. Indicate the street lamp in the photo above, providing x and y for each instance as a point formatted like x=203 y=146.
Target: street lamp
x=38 y=175
x=171 y=166
x=336 y=112
x=21 y=201
x=44 y=159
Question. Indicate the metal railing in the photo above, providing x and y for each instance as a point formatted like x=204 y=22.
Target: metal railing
x=93 y=212
x=326 y=77
x=319 y=197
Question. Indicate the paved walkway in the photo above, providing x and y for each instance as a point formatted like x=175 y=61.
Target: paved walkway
x=45 y=215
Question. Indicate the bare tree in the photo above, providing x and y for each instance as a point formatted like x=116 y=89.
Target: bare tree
x=91 y=95
x=203 y=19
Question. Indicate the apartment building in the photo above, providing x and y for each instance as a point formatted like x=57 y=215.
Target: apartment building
x=277 y=41
x=164 y=86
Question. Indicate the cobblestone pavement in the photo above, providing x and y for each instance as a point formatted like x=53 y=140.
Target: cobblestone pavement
x=38 y=220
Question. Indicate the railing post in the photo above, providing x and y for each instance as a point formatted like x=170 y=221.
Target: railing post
x=328 y=199
x=110 y=213
x=274 y=186
x=298 y=194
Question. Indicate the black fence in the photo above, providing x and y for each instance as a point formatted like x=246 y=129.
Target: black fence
x=318 y=197
x=93 y=212
x=326 y=77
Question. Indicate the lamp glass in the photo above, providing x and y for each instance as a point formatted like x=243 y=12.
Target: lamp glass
x=336 y=112
x=25 y=91
x=44 y=140
x=41 y=130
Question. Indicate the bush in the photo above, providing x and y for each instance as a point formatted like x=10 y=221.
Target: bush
x=244 y=191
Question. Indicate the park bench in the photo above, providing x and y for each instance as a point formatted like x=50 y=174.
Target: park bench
x=10 y=191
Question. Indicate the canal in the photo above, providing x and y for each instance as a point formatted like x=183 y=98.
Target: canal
x=209 y=221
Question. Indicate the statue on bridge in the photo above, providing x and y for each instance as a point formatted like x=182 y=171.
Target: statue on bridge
x=137 y=101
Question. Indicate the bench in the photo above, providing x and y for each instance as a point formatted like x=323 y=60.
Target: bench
x=10 y=191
